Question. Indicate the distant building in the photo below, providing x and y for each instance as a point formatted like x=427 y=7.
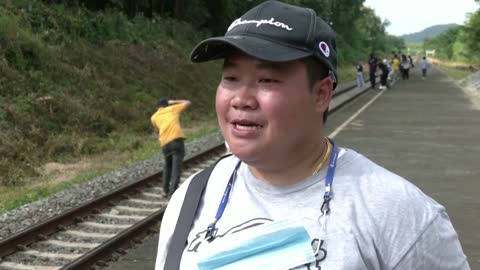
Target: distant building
x=430 y=53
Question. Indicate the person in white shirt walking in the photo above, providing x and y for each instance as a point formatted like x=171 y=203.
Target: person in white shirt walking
x=424 y=65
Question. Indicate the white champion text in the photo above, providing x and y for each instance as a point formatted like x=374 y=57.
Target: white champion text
x=258 y=23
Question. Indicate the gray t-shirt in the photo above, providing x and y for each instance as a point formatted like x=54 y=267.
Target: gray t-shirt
x=378 y=220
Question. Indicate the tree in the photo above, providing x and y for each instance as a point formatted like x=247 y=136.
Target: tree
x=471 y=36
x=444 y=43
x=359 y=30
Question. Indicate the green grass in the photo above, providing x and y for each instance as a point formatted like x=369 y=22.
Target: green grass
x=347 y=73
x=455 y=70
x=14 y=196
x=455 y=73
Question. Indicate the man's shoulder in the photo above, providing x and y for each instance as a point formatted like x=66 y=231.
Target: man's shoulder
x=161 y=113
x=223 y=167
x=158 y=117
x=381 y=187
x=155 y=114
x=392 y=205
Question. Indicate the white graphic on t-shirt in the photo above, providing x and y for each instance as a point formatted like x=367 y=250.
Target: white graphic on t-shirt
x=200 y=237
x=258 y=23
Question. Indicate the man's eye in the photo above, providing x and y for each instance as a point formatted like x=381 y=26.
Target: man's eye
x=229 y=78
x=268 y=80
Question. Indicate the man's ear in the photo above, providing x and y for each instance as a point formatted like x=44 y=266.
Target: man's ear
x=322 y=91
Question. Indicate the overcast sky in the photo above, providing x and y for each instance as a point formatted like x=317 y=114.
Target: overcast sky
x=410 y=16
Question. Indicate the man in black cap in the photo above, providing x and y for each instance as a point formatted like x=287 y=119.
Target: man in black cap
x=289 y=197
x=166 y=120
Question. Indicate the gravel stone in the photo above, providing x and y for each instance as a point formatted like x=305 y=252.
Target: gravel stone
x=36 y=212
x=471 y=86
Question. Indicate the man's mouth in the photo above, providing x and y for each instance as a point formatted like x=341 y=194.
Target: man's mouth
x=246 y=125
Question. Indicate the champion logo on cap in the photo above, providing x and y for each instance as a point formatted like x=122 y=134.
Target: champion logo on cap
x=258 y=23
x=324 y=48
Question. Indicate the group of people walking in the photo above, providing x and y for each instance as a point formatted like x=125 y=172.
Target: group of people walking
x=390 y=70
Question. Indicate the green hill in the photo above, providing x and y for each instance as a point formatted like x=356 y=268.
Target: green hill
x=77 y=83
x=429 y=32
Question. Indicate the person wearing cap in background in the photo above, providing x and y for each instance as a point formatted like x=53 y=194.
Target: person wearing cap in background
x=289 y=197
x=166 y=120
x=360 y=79
x=384 y=74
x=372 y=70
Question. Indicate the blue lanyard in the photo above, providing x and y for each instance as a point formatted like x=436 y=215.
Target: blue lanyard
x=211 y=229
x=329 y=179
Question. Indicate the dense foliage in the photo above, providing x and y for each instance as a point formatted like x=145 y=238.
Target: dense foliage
x=460 y=43
x=359 y=30
x=80 y=76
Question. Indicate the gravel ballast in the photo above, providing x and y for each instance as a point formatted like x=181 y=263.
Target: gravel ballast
x=471 y=86
x=33 y=213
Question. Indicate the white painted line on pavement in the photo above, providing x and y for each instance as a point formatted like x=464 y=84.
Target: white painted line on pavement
x=344 y=124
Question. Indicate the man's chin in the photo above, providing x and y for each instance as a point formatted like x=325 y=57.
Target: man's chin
x=245 y=154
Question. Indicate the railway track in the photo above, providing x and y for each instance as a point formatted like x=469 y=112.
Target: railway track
x=88 y=235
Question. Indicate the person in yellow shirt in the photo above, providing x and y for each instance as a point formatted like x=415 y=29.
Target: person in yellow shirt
x=171 y=137
x=396 y=67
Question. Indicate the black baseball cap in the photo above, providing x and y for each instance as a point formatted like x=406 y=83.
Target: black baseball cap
x=162 y=102
x=276 y=32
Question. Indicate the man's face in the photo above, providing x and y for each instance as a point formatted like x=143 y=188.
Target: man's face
x=266 y=111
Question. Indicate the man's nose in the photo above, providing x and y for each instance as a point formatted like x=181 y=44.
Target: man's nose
x=245 y=98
